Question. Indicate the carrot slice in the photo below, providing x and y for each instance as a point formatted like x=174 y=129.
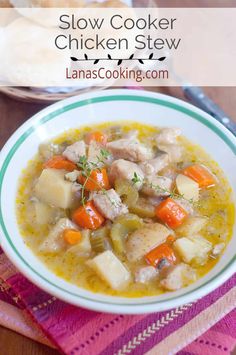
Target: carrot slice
x=163 y=251
x=171 y=213
x=72 y=236
x=88 y=217
x=200 y=174
x=97 y=136
x=97 y=180
x=59 y=162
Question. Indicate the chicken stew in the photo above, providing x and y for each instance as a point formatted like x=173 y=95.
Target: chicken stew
x=125 y=209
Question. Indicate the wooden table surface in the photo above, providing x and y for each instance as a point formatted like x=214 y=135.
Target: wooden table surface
x=13 y=113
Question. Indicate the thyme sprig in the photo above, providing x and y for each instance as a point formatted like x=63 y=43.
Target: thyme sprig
x=136 y=179
x=173 y=194
x=87 y=167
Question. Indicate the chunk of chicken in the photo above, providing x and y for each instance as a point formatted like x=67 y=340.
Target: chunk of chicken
x=74 y=151
x=129 y=149
x=145 y=239
x=124 y=169
x=153 y=166
x=168 y=135
x=178 y=276
x=169 y=172
x=145 y=274
x=73 y=175
x=185 y=204
x=54 y=242
x=157 y=186
x=77 y=190
x=109 y=204
x=154 y=200
x=174 y=152
x=94 y=151
x=95 y=155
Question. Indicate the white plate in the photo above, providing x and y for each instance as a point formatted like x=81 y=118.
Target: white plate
x=112 y=105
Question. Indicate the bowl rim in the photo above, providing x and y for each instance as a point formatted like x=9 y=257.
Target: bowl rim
x=54 y=111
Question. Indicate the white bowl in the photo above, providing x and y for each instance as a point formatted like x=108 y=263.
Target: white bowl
x=112 y=105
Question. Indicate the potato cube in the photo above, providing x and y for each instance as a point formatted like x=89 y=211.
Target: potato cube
x=187 y=187
x=52 y=189
x=193 y=248
x=145 y=239
x=110 y=269
x=185 y=248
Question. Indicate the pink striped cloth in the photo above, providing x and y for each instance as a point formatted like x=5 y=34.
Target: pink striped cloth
x=202 y=327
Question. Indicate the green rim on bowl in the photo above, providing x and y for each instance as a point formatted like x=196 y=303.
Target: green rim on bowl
x=95 y=100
